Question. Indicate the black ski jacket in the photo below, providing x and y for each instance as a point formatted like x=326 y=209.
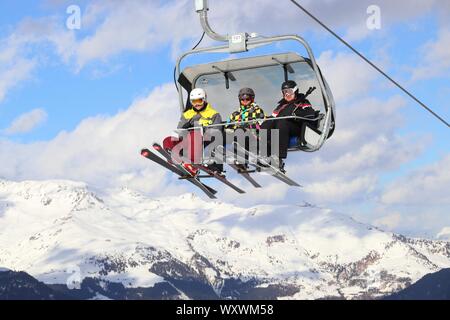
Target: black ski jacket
x=300 y=107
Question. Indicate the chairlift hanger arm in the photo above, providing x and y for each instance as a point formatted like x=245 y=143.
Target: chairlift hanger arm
x=202 y=7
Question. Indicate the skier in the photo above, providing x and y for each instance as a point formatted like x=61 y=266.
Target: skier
x=199 y=114
x=243 y=120
x=292 y=104
x=248 y=111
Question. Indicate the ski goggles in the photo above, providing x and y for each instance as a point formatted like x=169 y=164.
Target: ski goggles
x=246 y=98
x=289 y=91
x=196 y=102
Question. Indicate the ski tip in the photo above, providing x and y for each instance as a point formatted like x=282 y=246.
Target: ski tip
x=157 y=147
x=295 y=184
x=145 y=152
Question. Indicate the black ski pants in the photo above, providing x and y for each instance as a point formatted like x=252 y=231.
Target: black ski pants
x=287 y=128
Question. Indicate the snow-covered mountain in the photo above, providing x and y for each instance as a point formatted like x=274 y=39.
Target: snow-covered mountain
x=184 y=247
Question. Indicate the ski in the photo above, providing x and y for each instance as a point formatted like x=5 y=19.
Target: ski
x=239 y=168
x=219 y=177
x=275 y=172
x=245 y=173
x=210 y=173
x=169 y=159
x=210 y=192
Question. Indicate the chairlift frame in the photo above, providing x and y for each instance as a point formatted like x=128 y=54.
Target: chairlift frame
x=243 y=42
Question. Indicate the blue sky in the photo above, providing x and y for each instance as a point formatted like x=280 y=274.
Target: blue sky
x=107 y=87
x=89 y=76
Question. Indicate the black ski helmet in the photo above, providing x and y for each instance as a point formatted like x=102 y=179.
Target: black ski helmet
x=246 y=92
x=290 y=84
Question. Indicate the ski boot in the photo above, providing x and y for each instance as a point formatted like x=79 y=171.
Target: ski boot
x=190 y=168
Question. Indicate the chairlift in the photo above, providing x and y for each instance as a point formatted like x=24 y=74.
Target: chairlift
x=223 y=79
x=264 y=73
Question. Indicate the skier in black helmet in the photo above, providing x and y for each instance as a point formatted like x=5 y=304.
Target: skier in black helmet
x=248 y=111
x=247 y=119
x=292 y=104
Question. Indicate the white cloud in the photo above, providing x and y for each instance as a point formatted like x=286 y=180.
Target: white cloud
x=340 y=190
x=366 y=145
x=47 y=31
x=114 y=27
x=409 y=219
x=371 y=157
x=425 y=186
x=389 y=222
x=14 y=67
x=435 y=57
x=102 y=151
x=18 y=61
x=348 y=17
x=348 y=76
x=27 y=122
x=273 y=190
x=135 y=26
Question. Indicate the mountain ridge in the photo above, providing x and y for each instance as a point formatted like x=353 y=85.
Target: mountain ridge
x=60 y=231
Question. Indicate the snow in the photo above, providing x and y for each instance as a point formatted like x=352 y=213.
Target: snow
x=138 y=277
x=99 y=296
x=61 y=230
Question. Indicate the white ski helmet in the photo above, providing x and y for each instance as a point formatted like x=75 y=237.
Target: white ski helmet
x=197 y=94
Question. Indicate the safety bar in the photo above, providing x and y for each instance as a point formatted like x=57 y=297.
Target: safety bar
x=251 y=121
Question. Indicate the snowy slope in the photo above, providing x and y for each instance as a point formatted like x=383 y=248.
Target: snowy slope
x=62 y=232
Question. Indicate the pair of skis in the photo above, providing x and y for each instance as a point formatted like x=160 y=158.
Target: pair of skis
x=259 y=164
x=177 y=168
x=239 y=166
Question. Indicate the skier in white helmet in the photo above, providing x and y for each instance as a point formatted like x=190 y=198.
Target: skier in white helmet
x=198 y=114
